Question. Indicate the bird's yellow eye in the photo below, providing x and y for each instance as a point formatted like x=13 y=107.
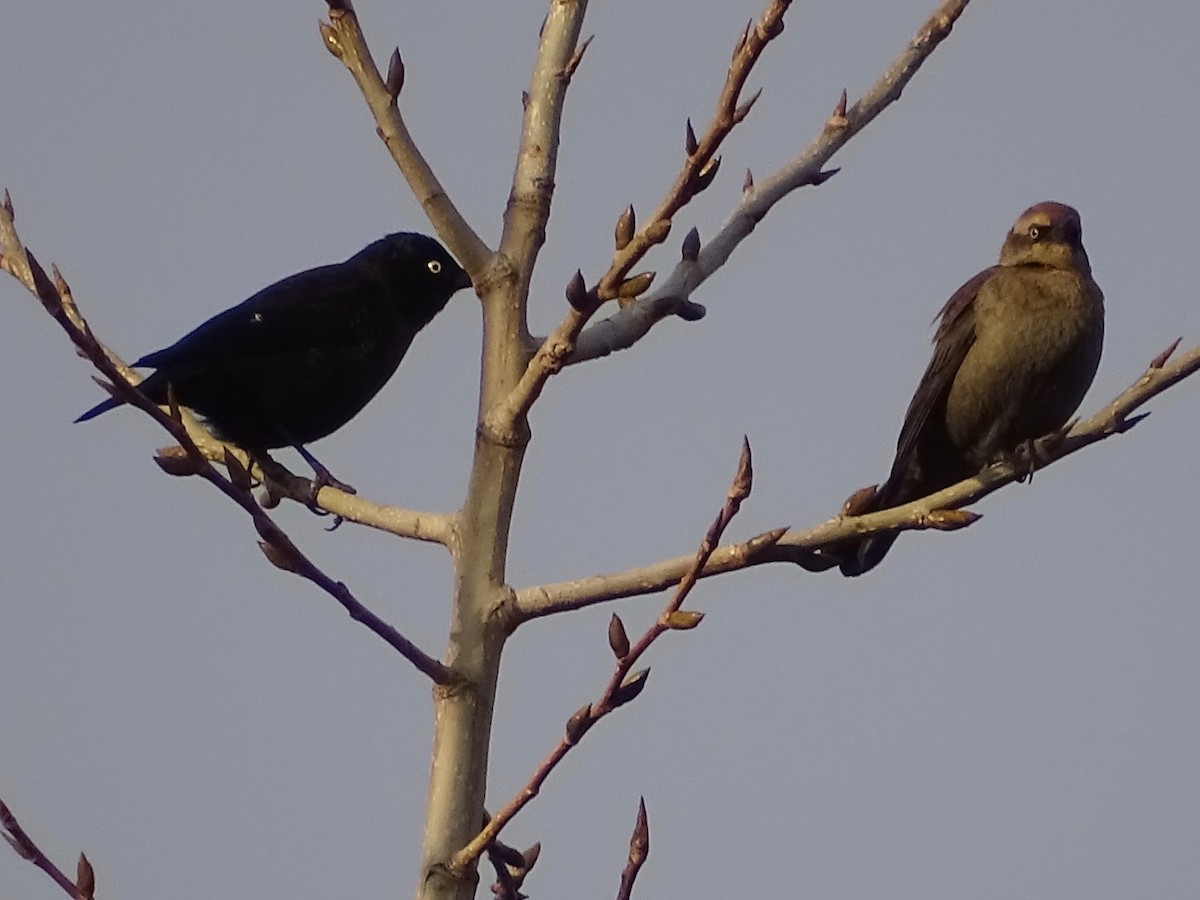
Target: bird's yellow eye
x=434 y=266
x=1035 y=232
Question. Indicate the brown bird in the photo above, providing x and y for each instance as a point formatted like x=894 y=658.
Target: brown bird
x=1015 y=350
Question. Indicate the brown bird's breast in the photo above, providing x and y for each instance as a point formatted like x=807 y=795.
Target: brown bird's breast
x=1038 y=336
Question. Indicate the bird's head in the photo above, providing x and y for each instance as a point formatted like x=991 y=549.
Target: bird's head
x=416 y=264
x=1047 y=234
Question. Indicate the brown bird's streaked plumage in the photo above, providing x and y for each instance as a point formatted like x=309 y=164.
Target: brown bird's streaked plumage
x=1015 y=351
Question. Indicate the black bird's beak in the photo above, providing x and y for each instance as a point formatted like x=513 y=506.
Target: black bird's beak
x=464 y=281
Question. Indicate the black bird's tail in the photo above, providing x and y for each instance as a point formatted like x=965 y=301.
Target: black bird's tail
x=110 y=403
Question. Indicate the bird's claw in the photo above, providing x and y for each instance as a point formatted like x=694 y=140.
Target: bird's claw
x=1023 y=458
x=324 y=478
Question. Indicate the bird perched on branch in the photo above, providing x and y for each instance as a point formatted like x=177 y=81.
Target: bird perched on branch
x=1015 y=350
x=299 y=359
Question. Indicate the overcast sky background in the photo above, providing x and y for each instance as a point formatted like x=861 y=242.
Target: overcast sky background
x=1005 y=711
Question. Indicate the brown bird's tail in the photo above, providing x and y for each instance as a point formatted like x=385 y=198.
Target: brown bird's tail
x=862 y=556
x=866 y=554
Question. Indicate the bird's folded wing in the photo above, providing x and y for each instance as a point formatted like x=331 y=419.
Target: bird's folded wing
x=319 y=309
x=954 y=336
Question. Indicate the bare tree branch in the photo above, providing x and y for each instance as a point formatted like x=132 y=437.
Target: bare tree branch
x=624 y=328
x=344 y=39
x=463 y=718
x=83 y=888
x=276 y=545
x=639 y=849
x=701 y=163
x=415 y=524
x=622 y=687
x=697 y=173
x=528 y=209
x=812 y=548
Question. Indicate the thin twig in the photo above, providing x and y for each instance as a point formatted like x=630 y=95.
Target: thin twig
x=57 y=299
x=700 y=162
x=622 y=687
x=344 y=39
x=639 y=849
x=23 y=844
x=806 y=548
x=624 y=328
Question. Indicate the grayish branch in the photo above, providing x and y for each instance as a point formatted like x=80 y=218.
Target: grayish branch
x=699 y=168
x=624 y=328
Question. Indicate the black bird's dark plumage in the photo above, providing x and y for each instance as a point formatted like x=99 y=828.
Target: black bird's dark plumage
x=1015 y=351
x=299 y=359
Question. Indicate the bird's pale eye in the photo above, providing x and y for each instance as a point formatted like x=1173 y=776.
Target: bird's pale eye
x=1035 y=232
x=434 y=266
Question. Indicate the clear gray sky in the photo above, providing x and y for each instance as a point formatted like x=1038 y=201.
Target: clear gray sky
x=1008 y=711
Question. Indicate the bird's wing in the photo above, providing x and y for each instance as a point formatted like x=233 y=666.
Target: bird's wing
x=954 y=336
x=319 y=308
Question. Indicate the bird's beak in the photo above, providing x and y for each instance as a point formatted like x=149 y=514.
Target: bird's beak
x=464 y=281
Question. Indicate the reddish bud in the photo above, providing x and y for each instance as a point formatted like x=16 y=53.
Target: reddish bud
x=689 y=141
x=630 y=687
x=395 y=74
x=577 y=292
x=691 y=245
x=618 y=640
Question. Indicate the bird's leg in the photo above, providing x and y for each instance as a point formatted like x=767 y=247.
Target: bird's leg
x=323 y=477
x=274 y=479
x=1023 y=458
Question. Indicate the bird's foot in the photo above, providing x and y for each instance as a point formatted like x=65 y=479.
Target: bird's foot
x=323 y=478
x=1024 y=458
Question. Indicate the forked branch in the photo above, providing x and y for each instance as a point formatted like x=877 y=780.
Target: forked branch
x=624 y=328
x=84 y=885
x=623 y=685
x=632 y=244
x=344 y=39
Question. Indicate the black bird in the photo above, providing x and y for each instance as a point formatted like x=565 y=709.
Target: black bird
x=1014 y=353
x=300 y=358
